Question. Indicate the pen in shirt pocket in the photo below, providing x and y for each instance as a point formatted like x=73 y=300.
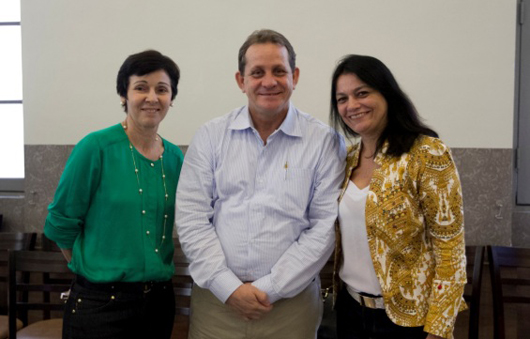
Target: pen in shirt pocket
x=286 y=166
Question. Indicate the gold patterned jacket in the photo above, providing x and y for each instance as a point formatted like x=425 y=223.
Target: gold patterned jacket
x=415 y=227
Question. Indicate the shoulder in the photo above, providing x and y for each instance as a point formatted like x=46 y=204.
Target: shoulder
x=432 y=152
x=211 y=134
x=89 y=150
x=173 y=149
x=222 y=121
x=104 y=137
x=318 y=133
x=429 y=146
x=312 y=124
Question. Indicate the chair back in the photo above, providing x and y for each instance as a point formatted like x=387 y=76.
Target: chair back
x=182 y=284
x=49 y=245
x=510 y=280
x=11 y=241
x=475 y=264
x=34 y=263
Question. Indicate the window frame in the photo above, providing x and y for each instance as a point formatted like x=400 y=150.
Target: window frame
x=12 y=185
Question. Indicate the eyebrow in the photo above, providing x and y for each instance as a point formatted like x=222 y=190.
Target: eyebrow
x=354 y=90
x=145 y=82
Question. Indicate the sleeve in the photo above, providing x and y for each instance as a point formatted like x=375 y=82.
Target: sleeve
x=193 y=219
x=442 y=206
x=304 y=259
x=79 y=181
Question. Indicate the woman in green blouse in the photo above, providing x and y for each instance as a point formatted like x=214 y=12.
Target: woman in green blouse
x=113 y=213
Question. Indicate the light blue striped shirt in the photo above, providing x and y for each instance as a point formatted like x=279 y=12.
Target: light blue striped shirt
x=246 y=211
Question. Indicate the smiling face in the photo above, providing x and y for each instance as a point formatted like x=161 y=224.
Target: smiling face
x=148 y=99
x=268 y=81
x=360 y=106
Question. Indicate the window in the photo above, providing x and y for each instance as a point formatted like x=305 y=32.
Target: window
x=11 y=108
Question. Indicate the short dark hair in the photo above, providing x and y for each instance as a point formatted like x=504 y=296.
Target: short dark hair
x=144 y=63
x=263 y=36
x=403 y=122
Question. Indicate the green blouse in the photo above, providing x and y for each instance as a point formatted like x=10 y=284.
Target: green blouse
x=115 y=232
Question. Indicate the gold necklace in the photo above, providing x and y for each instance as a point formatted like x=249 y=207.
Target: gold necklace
x=140 y=191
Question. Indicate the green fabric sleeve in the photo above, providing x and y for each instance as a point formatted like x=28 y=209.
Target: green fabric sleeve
x=78 y=183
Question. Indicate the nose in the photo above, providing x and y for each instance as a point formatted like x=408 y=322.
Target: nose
x=269 y=80
x=353 y=103
x=151 y=96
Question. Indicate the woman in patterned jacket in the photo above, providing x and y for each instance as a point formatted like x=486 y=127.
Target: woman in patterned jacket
x=400 y=252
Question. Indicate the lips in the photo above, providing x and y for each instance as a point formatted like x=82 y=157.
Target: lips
x=150 y=110
x=357 y=115
x=270 y=94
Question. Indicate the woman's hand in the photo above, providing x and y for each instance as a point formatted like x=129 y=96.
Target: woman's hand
x=432 y=336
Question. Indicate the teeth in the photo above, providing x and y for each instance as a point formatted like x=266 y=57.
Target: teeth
x=358 y=115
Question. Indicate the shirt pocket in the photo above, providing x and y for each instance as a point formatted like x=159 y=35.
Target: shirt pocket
x=295 y=187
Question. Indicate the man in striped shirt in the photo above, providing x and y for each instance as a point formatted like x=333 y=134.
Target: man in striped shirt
x=256 y=205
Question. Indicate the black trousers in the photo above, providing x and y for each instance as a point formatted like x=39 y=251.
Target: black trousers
x=358 y=322
x=121 y=310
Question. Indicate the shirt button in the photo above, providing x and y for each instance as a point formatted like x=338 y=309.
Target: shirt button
x=143 y=212
x=152 y=165
x=147 y=232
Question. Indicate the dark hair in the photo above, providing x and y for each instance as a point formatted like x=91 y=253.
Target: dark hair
x=261 y=37
x=144 y=63
x=403 y=122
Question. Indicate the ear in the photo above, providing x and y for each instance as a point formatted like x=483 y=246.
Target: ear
x=296 y=74
x=240 y=79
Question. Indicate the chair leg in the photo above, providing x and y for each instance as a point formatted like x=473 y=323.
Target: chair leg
x=498 y=306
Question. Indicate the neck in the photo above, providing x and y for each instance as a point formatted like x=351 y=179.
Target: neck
x=369 y=145
x=141 y=138
x=266 y=124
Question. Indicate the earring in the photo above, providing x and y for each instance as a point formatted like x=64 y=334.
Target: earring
x=122 y=103
x=171 y=104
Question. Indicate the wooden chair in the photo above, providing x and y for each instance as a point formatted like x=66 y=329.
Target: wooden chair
x=475 y=264
x=182 y=283
x=35 y=263
x=327 y=329
x=10 y=241
x=508 y=266
x=51 y=246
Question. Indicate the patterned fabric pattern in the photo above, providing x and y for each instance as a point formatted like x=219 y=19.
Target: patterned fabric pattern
x=415 y=226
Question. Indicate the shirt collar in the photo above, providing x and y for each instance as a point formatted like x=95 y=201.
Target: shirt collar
x=242 y=120
x=289 y=126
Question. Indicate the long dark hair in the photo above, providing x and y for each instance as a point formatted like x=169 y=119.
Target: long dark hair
x=403 y=122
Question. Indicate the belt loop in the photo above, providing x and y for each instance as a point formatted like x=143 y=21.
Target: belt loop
x=147 y=287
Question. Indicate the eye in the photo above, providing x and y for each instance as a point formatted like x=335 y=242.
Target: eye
x=256 y=73
x=341 y=100
x=163 y=90
x=139 y=88
x=280 y=72
x=362 y=94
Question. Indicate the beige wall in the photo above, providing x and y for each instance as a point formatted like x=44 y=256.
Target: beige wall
x=455 y=58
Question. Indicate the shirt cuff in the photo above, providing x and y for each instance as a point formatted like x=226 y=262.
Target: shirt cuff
x=224 y=285
x=265 y=284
